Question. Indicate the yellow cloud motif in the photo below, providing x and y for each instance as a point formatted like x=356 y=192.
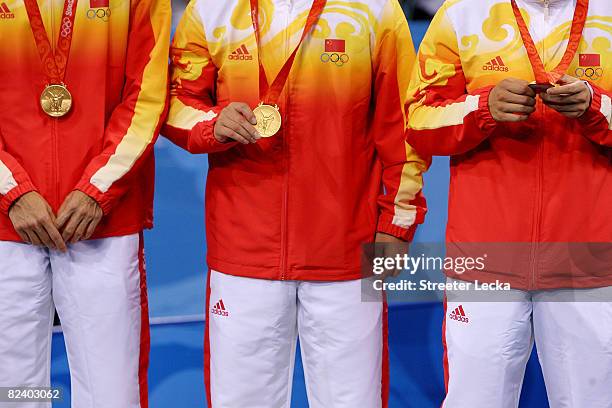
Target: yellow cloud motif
x=500 y=14
x=602 y=45
x=470 y=45
x=495 y=30
x=357 y=28
x=219 y=32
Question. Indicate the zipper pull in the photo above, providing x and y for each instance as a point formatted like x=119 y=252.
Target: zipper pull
x=546 y=10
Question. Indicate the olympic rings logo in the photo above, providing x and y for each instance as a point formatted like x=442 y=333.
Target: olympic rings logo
x=335 y=58
x=101 y=14
x=66 y=29
x=591 y=73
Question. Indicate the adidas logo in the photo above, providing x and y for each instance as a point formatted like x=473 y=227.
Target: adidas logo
x=241 y=54
x=496 y=64
x=219 y=309
x=459 y=315
x=5 y=12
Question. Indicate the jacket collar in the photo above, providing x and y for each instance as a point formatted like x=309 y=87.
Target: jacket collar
x=551 y=3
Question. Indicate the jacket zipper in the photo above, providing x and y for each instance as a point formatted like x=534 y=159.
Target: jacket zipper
x=285 y=151
x=540 y=174
x=538 y=205
x=54 y=138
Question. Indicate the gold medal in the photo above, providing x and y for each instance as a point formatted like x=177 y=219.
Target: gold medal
x=56 y=100
x=268 y=119
x=540 y=88
x=268 y=116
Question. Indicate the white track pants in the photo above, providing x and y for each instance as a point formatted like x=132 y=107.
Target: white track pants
x=488 y=345
x=99 y=290
x=252 y=327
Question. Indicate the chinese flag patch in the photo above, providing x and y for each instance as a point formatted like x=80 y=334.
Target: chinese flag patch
x=332 y=45
x=589 y=60
x=99 y=3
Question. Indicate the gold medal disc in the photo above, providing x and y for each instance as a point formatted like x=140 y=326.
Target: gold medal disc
x=268 y=120
x=56 y=100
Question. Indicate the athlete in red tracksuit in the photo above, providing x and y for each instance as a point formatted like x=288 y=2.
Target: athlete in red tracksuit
x=530 y=175
x=76 y=190
x=286 y=215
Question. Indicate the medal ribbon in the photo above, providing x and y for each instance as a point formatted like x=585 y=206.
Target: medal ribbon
x=271 y=93
x=578 y=22
x=54 y=64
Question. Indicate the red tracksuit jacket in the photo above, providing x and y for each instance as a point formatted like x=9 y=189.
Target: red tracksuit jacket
x=536 y=193
x=300 y=204
x=104 y=147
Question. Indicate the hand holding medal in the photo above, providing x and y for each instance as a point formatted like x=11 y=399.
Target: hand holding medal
x=546 y=80
x=236 y=122
x=269 y=119
x=513 y=100
x=572 y=98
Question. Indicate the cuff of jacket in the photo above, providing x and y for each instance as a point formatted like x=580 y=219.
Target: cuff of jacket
x=103 y=200
x=206 y=133
x=594 y=111
x=485 y=119
x=386 y=226
x=593 y=120
x=17 y=192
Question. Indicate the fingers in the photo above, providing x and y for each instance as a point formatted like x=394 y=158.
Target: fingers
x=518 y=87
x=230 y=133
x=64 y=215
x=44 y=236
x=70 y=227
x=509 y=97
x=238 y=128
x=53 y=231
x=33 y=238
x=510 y=117
x=243 y=127
x=24 y=236
x=565 y=99
x=55 y=238
x=80 y=230
x=512 y=100
x=65 y=211
x=91 y=228
x=569 y=89
x=516 y=108
x=246 y=112
x=570 y=100
x=237 y=122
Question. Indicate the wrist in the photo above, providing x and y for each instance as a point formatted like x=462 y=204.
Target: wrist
x=10 y=199
x=219 y=138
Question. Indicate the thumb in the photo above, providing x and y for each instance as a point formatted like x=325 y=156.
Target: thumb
x=246 y=111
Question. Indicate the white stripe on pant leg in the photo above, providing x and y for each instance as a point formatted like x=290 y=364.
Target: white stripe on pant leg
x=341 y=340
x=252 y=334
x=26 y=318
x=97 y=292
x=574 y=340
x=488 y=345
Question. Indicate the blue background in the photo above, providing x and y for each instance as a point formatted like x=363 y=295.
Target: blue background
x=176 y=277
